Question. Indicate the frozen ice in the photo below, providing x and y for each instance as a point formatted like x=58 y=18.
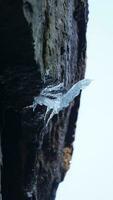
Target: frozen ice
x=54 y=98
x=29 y=194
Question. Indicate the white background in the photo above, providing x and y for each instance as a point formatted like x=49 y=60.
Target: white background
x=91 y=174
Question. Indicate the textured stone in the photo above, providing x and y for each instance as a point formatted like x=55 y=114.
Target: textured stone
x=42 y=42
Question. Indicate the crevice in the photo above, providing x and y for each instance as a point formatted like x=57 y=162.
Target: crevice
x=20 y=81
x=80 y=14
x=11 y=170
x=70 y=135
x=46 y=28
x=16 y=44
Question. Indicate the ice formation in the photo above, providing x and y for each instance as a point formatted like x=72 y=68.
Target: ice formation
x=56 y=98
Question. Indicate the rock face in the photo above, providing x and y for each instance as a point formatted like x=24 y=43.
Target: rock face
x=43 y=42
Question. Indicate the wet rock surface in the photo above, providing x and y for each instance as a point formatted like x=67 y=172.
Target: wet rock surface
x=42 y=42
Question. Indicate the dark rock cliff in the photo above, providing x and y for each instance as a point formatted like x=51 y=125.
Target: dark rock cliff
x=42 y=42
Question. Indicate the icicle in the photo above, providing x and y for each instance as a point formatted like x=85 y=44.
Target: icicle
x=54 y=98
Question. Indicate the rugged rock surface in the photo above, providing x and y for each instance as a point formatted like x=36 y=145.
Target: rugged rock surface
x=42 y=42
